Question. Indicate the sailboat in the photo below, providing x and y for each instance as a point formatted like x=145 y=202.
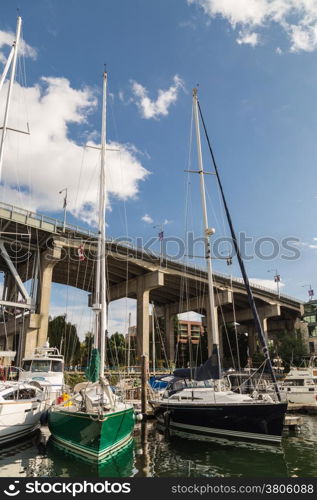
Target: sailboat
x=21 y=402
x=197 y=401
x=94 y=422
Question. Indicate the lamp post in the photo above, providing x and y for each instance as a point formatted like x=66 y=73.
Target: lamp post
x=161 y=237
x=64 y=207
x=277 y=279
x=310 y=291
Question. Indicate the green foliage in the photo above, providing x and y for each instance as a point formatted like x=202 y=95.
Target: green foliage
x=290 y=347
x=63 y=334
x=116 y=349
x=73 y=378
x=86 y=349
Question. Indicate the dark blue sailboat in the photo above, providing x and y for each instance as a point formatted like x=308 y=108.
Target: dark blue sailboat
x=197 y=400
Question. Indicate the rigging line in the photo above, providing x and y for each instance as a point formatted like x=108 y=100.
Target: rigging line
x=22 y=66
x=79 y=178
x=242 y=267
x=235 y=324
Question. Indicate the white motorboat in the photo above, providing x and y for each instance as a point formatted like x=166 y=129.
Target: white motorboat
x=45 y=366
x=21 y=406
x=300 y=384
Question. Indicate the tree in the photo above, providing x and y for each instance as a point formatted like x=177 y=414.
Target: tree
x=116 y=349
x=85 y=349
x=63 y=335
x=290 y=347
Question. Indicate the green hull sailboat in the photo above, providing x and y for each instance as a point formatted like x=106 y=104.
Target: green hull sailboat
x=95 y=422
x=92 y=437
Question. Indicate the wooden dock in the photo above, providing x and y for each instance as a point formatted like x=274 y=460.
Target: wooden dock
x=292 y=423
x=300 y=408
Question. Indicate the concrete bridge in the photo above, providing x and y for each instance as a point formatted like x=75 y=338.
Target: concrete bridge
x=37 y=249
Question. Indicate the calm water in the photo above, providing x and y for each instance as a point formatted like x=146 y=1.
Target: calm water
x=154 y=454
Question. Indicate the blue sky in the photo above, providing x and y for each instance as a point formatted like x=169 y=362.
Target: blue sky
x=256 y=65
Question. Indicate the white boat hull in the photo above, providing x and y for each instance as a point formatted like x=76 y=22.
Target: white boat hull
x=302 y=396
x=19 y=419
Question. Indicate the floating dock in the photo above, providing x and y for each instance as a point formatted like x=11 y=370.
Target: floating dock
x=300 y=408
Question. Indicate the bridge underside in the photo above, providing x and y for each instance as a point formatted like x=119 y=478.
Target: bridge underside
x=41 y=253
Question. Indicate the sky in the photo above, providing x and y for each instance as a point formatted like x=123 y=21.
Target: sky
x=255 y=64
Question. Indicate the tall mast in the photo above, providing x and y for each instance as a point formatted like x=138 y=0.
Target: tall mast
x=12 y=77
x=102 y=230
x=100 y=305
x=207 y=232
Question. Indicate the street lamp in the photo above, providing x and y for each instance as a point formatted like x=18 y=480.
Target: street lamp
x=161 y=238
x=277 y=279
x=64 y=207
x=310 y=291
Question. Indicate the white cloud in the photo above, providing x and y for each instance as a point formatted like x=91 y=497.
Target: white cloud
x=7 y=38
x=298 y=18
x=147 y=218
x=155 y=108
x=38 y=166
x=248 y=38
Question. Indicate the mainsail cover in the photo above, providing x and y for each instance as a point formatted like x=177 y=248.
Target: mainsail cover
x=92 y=372
x=209 y=370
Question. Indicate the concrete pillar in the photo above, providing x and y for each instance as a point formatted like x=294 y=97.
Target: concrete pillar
x=36 y=334
x=143 y=285
x=169 y=335
x=264 y=327
x=142 y=319
x=252 y=338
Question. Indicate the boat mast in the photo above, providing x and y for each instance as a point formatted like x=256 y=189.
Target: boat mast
x=13 y=58
x=258 y=326
x=207 y=234
x=100 y=280
x=153 y=339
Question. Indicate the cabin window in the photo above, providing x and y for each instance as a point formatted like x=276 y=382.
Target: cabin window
x=57 y=366
x=294 y=382
x=41 y=365
x=27 y=365
x=13 y=395
x=27 y=394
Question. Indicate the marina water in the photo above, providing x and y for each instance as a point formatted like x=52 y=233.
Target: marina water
x=155 y=454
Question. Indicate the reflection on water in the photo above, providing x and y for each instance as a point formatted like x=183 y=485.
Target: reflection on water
x=153 y=453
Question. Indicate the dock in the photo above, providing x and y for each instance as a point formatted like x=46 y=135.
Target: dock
x=292 y=423
x=300 y=408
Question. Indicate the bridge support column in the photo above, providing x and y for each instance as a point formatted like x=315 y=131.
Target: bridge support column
x=144 y=285
x=36 y=334
x=252 y=337
x=142 y=321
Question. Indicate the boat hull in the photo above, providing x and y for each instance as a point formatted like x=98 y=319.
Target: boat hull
x=19 y=420
x=86 y=435
x=256 y=422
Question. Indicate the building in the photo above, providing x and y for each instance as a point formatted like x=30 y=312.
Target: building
x=189 y=331
x=310 y=317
